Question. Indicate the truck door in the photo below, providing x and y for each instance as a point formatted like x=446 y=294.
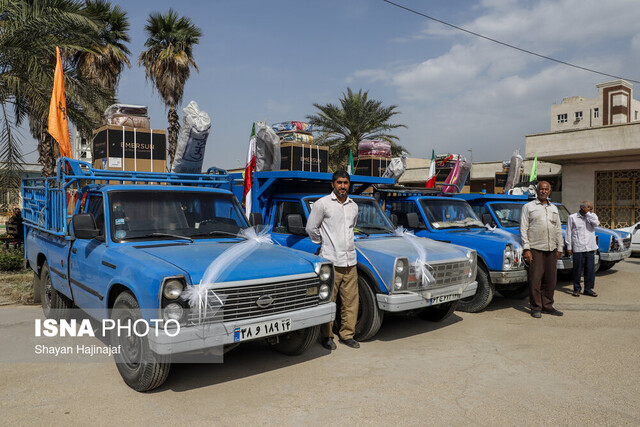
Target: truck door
x=279 y=215
x=88 y=285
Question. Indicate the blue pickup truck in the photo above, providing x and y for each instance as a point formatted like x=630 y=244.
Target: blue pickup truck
x=141 y=246
x=503 y=211
x=387 y=259
x=448 y=219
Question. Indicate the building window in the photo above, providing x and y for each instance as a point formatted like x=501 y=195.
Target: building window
x=578 y=115
x=596 y=113
x=636 y=115
x=562 y=118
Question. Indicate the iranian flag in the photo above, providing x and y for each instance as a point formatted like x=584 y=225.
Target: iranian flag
x=431 y=179
x=248 y=171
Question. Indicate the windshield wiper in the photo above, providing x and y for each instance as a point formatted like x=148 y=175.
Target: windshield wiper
x=174 y=236
x=359 y=231
x=220 y=232
x=377 y=227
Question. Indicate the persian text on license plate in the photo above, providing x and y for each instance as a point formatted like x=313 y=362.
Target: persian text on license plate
x=444 y=298
x=262 y=329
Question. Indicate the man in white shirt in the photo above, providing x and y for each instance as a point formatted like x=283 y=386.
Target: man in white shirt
x=581 y=241
x=331 y=224
x=541 y=234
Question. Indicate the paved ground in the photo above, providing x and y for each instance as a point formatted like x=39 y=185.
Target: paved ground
x=499 y=367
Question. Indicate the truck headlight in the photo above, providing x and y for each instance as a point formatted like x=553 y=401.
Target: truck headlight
x=172 y=289
x=508 y=257
x=325 y=272
x=325 y=292
x=173 y=311
x=325 y=275
x=400 y=274
x=473 y=264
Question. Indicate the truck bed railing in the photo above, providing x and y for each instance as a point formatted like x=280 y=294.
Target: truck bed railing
x=46 y=200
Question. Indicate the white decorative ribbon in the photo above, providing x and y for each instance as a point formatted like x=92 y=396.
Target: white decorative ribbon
x=421 y=266
x=197 y=295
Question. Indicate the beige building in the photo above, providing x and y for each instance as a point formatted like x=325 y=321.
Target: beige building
x=598 y=146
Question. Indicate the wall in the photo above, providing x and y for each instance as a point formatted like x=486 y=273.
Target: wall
x=578 y=178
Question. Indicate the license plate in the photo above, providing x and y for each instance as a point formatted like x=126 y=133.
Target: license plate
x=443 y=298
x=262 y=329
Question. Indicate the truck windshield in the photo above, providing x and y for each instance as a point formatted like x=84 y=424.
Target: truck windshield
x=508 y=214
x=371 y=219
x=447 y=213
x=153 y=215
x=563 y=212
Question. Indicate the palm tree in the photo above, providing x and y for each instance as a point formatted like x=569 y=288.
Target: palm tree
x=30 y=30
x=357 y=118
x=105 y=67
x=167 y=62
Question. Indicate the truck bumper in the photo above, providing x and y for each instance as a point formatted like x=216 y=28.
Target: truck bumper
x=615 y=256
x=564 y=264
x=414 y=300
x=212 y=335
x=507 y=277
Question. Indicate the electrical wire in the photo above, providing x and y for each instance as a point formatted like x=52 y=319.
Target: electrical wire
x=507 y=44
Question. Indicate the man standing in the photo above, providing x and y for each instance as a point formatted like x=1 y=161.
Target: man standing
x=541 y=234
x=581 y=241
x=330 y=225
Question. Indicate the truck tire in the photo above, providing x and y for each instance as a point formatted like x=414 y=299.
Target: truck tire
x=483 y=296
x=606 y=265
x=296 y=342
x=54 y=304
x=140 y=368
x=438 y=313
x=37 y=289
x=518 y=292
x=369 y=315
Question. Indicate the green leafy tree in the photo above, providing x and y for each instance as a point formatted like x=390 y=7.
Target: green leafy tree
x=355 y=119
x=168 y=60
x=30 y=30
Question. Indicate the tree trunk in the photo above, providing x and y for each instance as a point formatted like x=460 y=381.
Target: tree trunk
x=47 y=157
x=174 y=127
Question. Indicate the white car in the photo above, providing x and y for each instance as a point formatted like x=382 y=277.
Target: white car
x=635 y=236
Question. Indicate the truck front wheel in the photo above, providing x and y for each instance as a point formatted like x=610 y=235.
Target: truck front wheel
x=54 y=304
x=296 y=342
x=369 y=315
x=140 y=368
x=483 y=296
x=605 y=265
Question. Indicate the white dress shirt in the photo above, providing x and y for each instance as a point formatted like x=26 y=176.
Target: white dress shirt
x=331 y=224
x=581 y=234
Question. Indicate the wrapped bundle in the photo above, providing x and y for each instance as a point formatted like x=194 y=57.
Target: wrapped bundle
x=127 y=115
x=267 y=148
x=292 y=127
x=305 y=138
x=396 y=168
x=375 y=145
x=192 y=140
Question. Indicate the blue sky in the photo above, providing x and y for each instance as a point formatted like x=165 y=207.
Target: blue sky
x=271 y=60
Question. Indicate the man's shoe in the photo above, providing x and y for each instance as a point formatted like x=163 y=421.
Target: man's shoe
x=350 y=343
x=536 y=314
x=553 y=312
x=328 y=343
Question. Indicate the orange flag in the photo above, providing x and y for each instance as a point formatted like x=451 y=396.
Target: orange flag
x=58 y=124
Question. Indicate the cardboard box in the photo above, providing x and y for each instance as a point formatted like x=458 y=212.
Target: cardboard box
x=371 y=165
x=296 y=156
x=145 y=150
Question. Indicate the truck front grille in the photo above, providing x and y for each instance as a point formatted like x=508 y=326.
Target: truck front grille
x=446 y=273
x=240 y=303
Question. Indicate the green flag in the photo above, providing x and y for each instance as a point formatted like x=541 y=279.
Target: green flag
x=534 y=170
x=351 y=169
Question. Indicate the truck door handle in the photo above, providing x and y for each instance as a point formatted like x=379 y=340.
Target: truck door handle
x=74 y=250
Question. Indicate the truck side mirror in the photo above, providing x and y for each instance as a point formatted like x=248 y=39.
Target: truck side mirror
x=294 y=224
x=84 y=226
x=486 y=219
x=394 y=219
x=255 y=218
x=412 y=220
x=638 y=226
